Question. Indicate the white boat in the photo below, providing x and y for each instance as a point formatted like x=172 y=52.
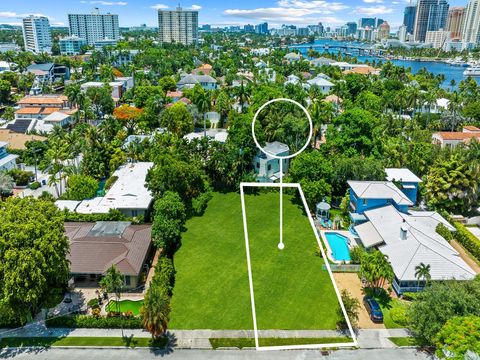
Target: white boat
x=472 y=71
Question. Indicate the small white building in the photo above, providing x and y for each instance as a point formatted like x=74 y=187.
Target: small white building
x=267 y=168
x=7 y=161
x=292 y=79
x=324 y=85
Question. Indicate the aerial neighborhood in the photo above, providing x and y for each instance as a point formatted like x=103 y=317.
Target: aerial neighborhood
x=319 y=184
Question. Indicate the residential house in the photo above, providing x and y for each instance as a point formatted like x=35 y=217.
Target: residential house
x=292 y=79
x=95 y=247
x=219 y=135
x=451 y=139
x=409 y=239
x=324 y=85
x=7 y=161
x=406 y=180
x=321 y=61
x=117 y=88
x=204 y=69
x=174 y=95
x=439 y=106
x=189 y=81
x=49 y=72
x=267 y=168
x=292 y=57
x=4 y=66
x=362 y=70
x=128 y=193
x=33 y=110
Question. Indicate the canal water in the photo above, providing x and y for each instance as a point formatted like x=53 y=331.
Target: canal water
x=450 y=72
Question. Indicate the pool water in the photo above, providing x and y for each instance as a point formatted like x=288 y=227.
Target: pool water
x=339 y=245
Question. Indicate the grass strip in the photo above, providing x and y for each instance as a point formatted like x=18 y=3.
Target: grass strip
x=405 y=341
x=241 y=343
x=128 y=342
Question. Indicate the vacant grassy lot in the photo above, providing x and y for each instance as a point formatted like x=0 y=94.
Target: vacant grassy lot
x=212 y=290
x=248 y=342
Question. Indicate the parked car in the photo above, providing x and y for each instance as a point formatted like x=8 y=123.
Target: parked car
x=373 y=309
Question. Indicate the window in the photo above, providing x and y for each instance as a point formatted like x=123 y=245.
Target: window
x=269 y=167
x=127 y=280
x=365 y=201
x=258 y=165
x=134 y=213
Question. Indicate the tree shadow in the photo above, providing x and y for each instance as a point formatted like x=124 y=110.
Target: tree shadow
x=164 y=346
x=381 y=295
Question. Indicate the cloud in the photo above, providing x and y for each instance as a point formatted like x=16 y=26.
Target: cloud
x=292 y=11
x=374 y=10
x=195 y=7
x=14 y=15
x=373 y=1
x=57 y=23
x=159 y=7
x=106 y=3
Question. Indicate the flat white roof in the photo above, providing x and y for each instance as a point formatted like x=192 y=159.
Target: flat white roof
x=401 y=174
x=70 y=205
x=128 y=192
x=421 y=245
x=379 y=190
x=56 y=116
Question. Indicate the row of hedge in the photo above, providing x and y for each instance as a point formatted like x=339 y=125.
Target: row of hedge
x=467 y=240
x=112 y=215
x=91 y=322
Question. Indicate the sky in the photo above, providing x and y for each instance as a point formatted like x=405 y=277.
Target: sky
x=216 y=12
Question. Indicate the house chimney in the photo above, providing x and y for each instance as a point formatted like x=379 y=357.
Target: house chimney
x=403 y=231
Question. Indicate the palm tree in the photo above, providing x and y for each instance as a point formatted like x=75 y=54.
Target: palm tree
x=156 y=310
x=242 y=95
x=422 y=271
x=203 y=105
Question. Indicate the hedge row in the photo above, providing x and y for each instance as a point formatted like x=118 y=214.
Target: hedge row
x=467 y=239
x=90 y=322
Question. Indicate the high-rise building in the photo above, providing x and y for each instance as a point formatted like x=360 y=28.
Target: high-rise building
x=402 y=33
x=364 y=22
x=471 y=25
x=94 y=27
x=384 y=30
x=351 y=28
x=178 y=26
x=261 y=28
x=409 y=17
x=437 y=38
x=321 y=28
x=249 y=28
x=378 y=22
x=36 y=34
x=455 y=18
x=431 y=16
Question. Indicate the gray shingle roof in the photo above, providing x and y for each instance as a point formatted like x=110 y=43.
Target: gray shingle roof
x=196 y=79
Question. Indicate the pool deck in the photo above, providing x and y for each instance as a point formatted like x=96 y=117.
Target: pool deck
x=351 y=243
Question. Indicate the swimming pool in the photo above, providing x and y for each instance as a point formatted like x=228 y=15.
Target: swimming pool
x=339 y=245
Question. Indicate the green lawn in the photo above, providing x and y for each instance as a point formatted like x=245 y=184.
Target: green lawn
x=387 y=304
x=405 y=341
x=212 y=289
x=125 y=305
x=82 y=341
x=248 y=342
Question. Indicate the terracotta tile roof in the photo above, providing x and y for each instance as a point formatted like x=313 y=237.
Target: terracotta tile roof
x=449 y=135
x=93 y=252
x=174 y=94
x=471 y=128
x=29 y=110
x=362 y=71
x=16 y=140
x=43 y=100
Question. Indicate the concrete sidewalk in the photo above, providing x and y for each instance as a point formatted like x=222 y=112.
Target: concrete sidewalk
x=199 y=339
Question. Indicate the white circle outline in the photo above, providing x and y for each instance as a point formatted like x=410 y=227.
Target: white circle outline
x=309 y=135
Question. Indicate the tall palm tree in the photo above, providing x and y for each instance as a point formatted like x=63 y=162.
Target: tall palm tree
x=422 y=272
x=242 y=94
x=156 y=310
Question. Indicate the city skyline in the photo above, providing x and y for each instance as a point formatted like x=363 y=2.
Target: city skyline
x=296 y=12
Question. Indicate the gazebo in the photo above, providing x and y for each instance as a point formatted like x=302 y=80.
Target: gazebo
x=323 y=210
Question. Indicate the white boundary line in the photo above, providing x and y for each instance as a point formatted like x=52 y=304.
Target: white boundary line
x=327 y=265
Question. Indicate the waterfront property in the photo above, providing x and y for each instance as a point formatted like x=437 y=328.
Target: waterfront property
x=409 y=239
x=211 y=284
x=95 y=247
x=267 y=167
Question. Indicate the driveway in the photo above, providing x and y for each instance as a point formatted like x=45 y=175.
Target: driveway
x=352 y=283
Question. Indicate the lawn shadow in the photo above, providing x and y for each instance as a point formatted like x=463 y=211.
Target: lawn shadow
x=13 y=347
x=164 y=346
x=129 y=341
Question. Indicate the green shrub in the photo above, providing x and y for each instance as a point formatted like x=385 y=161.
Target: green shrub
x=113 y=215
x=20 y=177
x=34 y=185
x=444 y=232
x=399 y=315
x=356 y=254
x=467 y=239
x=93 y=303
x=90 y=322
x=164 y=274
x=199 y=204
x=111 y=180
x=410 y=296
x=80 y=187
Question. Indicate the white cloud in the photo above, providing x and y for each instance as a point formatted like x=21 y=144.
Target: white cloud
x=58 y=23
x=195 y=7
x=107 y=3
x=14 y=15
x=159 y=7
x=373 y=1
x=374 y=10
x=293 y=12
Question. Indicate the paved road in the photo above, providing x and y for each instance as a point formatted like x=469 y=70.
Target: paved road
x=145 y=354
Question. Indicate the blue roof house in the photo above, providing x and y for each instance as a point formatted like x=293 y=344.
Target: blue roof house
x=406 y=180
x=267 y=168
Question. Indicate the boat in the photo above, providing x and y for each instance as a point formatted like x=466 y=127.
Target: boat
x=472 y=71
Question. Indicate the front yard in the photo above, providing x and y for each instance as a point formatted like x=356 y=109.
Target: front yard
x=212 y=289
